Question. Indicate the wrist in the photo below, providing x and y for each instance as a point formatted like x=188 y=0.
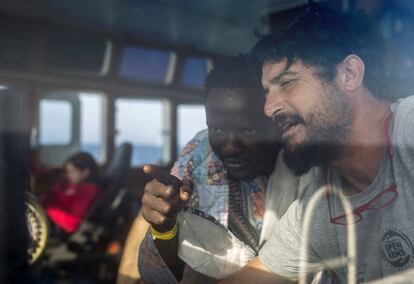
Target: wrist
x=165 y=236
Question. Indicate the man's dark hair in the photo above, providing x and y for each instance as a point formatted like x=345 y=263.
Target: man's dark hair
x=321 y=37
x=234 y=73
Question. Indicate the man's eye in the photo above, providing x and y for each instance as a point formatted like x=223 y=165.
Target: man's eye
x=287 y=83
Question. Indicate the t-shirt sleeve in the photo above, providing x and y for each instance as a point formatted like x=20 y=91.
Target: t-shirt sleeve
x=280 y=254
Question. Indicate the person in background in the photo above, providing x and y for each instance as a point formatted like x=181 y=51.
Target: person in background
x=230 y=166
x=70 y=199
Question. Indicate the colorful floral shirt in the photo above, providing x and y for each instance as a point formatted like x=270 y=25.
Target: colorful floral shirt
x=210 y=195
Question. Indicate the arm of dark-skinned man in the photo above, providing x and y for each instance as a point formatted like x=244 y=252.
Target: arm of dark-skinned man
x=164 y=196
x=255 y=272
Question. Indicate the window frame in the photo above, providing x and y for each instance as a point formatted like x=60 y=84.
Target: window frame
x=67 y=94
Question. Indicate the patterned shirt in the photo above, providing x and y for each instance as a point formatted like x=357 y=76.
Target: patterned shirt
x=198 y=162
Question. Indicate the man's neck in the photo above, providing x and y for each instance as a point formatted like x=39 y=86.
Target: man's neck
x=364 y=150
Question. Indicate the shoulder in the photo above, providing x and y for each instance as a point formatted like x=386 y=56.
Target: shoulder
x=304 y=187
x=197 y=143
x=403 y=111
x=309 y=185
x=283 y=179
x=404 y=106
x=197 y=152
x=284 y=187
x=195 y=147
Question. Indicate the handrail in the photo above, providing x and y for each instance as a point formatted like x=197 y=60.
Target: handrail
x=351 y=260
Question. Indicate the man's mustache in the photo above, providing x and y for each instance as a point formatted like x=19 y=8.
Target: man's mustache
x=287 y=119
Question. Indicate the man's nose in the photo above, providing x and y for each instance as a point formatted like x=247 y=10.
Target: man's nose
x=232 y=145
x=273 y=104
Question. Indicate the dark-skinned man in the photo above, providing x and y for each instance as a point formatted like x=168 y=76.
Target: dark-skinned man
x=222 y=172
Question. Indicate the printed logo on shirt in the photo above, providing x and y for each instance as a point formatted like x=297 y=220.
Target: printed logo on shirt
x=397 y=248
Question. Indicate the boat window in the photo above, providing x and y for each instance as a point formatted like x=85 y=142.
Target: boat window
x=145 y=64
x=92 y=124
x=195 y=71
x=70 y=121
x=55 y=122
x=141 y=123
x=190 y=120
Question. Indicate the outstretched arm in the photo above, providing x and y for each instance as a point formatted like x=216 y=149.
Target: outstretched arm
x=163 y=198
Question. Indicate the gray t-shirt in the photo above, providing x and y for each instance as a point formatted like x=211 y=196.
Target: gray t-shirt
x=385 y=232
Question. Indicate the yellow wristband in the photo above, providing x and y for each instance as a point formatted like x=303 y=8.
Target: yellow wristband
x=165 y=235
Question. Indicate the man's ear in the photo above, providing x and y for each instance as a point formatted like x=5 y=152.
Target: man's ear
x=350 y=73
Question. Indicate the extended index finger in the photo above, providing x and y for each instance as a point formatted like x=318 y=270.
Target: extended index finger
x=162 y=175
x=186 y=189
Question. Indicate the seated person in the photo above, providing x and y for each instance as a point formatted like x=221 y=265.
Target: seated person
x=229 y=165
x=69 y=200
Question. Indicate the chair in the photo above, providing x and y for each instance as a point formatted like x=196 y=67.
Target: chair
x=106 y=209
x=113 y=181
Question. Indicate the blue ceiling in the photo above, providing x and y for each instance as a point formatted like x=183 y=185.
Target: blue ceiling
x=219 y=26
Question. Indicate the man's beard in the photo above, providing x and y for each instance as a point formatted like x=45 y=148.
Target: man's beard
x=328 y=129
x=309 y=154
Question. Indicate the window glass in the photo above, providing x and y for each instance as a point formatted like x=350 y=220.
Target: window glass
x=191 y=119
x=140 y=122
x=91 y=124
x=147 y=64
x=70 y=121
x=55 y=131
x=195 y=71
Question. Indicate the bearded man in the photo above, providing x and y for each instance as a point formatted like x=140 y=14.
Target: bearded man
x=323 y=80
x=229 y=167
